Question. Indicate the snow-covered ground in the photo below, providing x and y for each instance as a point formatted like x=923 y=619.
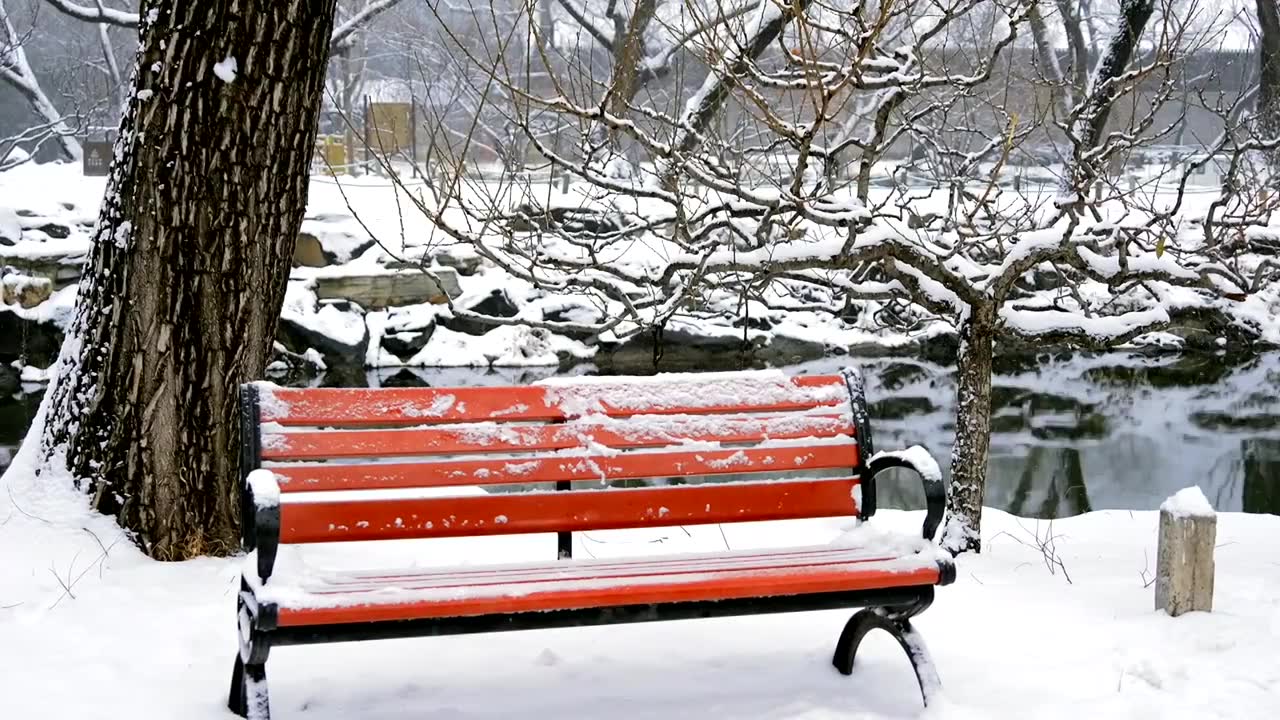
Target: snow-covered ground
x=89 y=628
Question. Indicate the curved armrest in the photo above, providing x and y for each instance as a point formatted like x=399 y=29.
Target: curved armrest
x=919 y=461
x=260 y=524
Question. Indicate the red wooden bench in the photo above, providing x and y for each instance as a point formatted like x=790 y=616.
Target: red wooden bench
x=316 y=471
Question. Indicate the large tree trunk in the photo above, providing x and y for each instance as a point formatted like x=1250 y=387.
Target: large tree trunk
x=973 y=432
x=1268 y=112
x=190 y=261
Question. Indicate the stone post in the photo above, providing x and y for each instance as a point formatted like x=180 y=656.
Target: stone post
x=1184 y=558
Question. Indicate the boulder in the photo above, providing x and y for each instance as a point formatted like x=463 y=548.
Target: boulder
x=307 y=252
x=299 y=333
x=496 y=304
x=405 y=344
x=55 y=230
x=10 y=228
x=24 y=290
x=377 y=292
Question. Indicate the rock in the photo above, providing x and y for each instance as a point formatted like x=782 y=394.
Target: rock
x=62 y=270
x=1211 y=329
x=24 y=290
x=56 y=231
x=337 y=243
x=377 y=292
x=497 y=304
x=336 y=351
x=582 y=314
x=406 y=344
x=307 y=252
x=465 y=264
x=567 y=219
x=10 y=228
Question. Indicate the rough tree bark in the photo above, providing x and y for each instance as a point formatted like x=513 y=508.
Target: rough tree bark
x=191 y=256
x=973 y=431
x=1268 y=112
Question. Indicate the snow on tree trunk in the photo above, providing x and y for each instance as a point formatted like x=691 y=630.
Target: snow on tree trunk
x=763 y=29
x=1063 y=97
x=1268 y=112
x=191 y=256
x=973 y=432
x=1103 y=91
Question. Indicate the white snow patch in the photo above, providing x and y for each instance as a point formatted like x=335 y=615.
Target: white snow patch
x=226 y=70
x=1188 y=502
x=919 y=458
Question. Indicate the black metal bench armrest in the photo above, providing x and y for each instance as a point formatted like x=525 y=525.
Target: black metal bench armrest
x=260 y=526
x=919 y=461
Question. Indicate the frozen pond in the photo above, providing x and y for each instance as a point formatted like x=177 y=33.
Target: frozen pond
x=1071 y=435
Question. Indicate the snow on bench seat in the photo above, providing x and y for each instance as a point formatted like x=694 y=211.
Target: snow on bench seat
x=318 y=598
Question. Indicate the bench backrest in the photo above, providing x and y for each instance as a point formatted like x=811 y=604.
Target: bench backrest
x=370 y=464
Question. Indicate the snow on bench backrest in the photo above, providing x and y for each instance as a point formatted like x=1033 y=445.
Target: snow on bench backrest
x=791 y=441
x=559 y=399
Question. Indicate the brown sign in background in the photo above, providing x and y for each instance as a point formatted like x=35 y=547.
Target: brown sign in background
x=97 y=157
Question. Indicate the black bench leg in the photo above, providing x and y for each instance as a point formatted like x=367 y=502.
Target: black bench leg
x=865 y=621
x=248 y=697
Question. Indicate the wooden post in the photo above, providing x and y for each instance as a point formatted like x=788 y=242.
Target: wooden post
x=1184 y=557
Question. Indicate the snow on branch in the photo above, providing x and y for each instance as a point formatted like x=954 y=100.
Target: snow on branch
x=1058 y=326
x=120 y=18
x=98 y=14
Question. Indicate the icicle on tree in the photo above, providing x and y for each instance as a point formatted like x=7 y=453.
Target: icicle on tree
x=191 y=254
x=734 y=212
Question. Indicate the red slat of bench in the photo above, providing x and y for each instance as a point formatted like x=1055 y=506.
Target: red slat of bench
x=625 y=466
x=326 y=444
x=358 y=407
x=713 y=586
x=403 y=518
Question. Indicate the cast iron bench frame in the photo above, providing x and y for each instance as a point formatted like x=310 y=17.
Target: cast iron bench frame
x=888 y=605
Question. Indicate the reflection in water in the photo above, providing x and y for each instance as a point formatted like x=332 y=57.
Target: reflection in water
x=1068 y=435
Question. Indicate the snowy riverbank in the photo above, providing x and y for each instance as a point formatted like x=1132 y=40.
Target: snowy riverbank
x=93 y=634
x=353 y=303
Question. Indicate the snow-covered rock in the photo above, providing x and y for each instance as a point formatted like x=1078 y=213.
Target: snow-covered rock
x=10 y=227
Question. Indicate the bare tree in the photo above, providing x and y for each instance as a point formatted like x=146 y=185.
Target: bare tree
x=729 y=208
x=16 y=72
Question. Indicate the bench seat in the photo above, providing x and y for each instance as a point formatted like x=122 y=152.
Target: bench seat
x=324 y=598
